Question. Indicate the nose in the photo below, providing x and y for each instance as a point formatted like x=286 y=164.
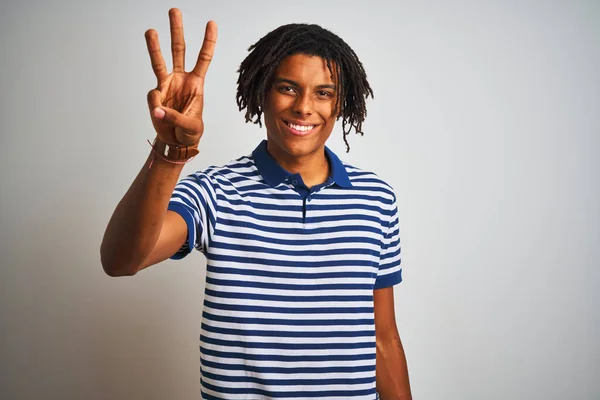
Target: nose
x=303 y=104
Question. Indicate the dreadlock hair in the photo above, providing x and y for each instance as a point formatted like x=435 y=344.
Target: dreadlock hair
x=257 y=71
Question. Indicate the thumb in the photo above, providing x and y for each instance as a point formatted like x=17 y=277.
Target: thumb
x=188 y=129
x=158 y=113
x=171 y=117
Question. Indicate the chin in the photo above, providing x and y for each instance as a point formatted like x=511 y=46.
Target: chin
x=293 y=146
x=298 y=149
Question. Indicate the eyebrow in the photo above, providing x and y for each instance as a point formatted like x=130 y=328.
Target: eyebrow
x=294 y=83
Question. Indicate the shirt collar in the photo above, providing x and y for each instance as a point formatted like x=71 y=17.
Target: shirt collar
x=274 y=174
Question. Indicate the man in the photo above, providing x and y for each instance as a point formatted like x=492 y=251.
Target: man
x=302 y=250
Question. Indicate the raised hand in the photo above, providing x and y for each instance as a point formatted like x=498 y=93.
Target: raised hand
x=176 y=104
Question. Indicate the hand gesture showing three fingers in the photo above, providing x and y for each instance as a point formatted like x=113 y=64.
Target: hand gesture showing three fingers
x=177 y=102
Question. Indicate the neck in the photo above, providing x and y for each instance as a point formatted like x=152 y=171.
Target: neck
x=313 y=168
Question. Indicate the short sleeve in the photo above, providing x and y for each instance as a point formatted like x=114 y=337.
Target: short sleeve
x=194 y=199
x=390 y=271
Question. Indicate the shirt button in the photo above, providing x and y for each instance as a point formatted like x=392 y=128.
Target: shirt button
x=294 y=182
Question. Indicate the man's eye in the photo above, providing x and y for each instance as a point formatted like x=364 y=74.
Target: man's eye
x=324 y=93
x=287 y=89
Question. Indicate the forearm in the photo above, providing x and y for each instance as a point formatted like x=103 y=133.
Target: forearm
x=392 y=370
x=136 y=222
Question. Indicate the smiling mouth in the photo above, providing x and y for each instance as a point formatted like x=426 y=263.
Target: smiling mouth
x=299 y=129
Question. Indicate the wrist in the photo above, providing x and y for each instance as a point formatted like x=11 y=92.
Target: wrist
x=170 y=154
x=174 y=152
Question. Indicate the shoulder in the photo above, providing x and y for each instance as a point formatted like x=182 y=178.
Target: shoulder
x=369 y=181
x=235 y=171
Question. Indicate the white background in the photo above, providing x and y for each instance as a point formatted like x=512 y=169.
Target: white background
x=485 y=120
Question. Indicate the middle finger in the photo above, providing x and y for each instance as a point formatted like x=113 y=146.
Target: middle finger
x=177 y=40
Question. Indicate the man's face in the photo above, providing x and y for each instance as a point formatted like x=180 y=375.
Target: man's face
x=299 y=111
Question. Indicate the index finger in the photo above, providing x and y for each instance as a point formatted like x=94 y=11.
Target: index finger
x=208 y=49
x=156 y=58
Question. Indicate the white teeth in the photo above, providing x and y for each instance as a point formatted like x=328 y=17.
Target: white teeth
x=301 y=128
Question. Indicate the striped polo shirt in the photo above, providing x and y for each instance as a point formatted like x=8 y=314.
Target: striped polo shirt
x=288 y=305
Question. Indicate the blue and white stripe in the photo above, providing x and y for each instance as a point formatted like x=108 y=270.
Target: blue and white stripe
x=288 y=306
